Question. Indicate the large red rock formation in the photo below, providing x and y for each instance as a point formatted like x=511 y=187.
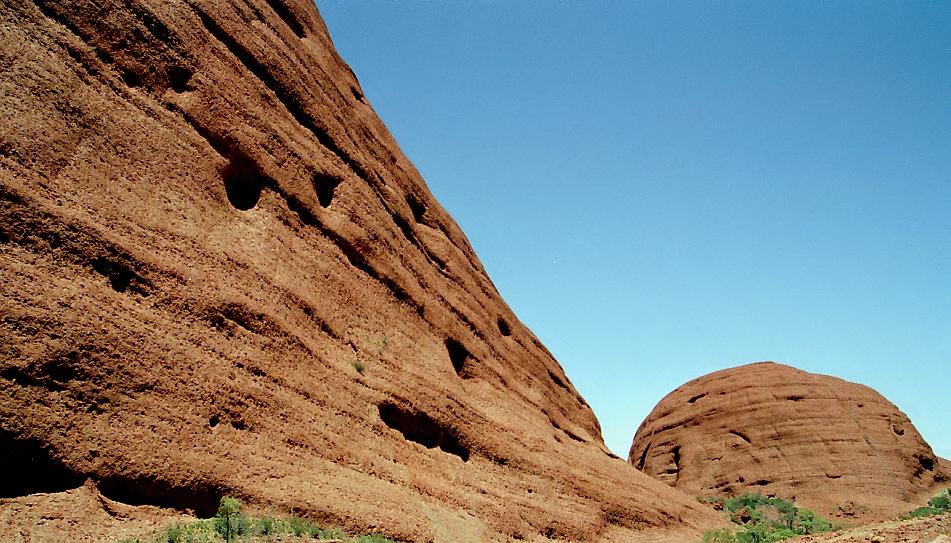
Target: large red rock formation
x=830 y=444
x=221 y=275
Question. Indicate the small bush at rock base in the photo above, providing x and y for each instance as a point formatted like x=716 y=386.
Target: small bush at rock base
x=230 y=524
x=936 y=506
x=761 y=519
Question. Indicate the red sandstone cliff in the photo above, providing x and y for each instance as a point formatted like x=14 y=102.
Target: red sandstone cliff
x=221 y=275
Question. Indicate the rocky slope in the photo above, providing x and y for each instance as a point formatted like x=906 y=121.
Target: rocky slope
x=918 y=530
x=831 y=445
x=221 y=275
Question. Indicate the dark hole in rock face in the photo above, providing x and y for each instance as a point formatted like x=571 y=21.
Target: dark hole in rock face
x=28 y=468
x=405 y=228
x=325 y=186
x=675 y=471
x=417 y=207
x=643 y=459
x=421 y=428
x=289 y=18
x=131 y=79
x=574 y=436
x=243 y=182
x=178 y=78
x=54 y=373
x=197 y=496
x=357 y=94
x=120 y=276
x=741 y=435
x=504 y=328
x=213 y=421
x=557 y=380
x=65 y=369
x=458 y=355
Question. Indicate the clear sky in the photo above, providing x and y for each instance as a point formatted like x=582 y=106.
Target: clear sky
x=661 y=189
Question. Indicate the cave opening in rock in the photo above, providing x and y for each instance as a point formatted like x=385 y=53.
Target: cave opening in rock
x=417 y=207
x=178 y=78
x=420 y=428
x=243 y=182
x=459 y=356
x=197 y=496
x=29 y=467
x=120 y=275
x=325 y=186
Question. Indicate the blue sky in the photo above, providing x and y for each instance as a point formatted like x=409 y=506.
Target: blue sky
x=664 y=189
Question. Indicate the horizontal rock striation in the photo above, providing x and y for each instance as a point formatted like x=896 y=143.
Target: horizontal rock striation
x=221 y=275
x=829 y=444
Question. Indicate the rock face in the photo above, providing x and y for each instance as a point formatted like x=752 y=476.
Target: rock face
x=832 y=445
x=221 y=275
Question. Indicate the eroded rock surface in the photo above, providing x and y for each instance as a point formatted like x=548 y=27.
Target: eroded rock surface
x=221 y=275
x=832 y=445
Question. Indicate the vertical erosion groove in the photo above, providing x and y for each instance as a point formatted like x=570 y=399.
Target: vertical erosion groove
x=643 y=459
x=676 y=471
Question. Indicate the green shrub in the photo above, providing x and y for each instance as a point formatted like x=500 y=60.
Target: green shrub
x=331 y=533
x=923 y=512
x=229 y=521
x=811 y=523
x=266 y=526
x=937 y=505
x=941 y=501
x=372 y=538
x=188 y=532
x=302 y=527
x=762 y=519
x=719 y=536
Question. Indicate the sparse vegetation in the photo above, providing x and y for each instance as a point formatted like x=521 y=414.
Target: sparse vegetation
x=231 y=525
x=759 y=519
x=377 y=346
x=380 y=344
x=937 y=505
